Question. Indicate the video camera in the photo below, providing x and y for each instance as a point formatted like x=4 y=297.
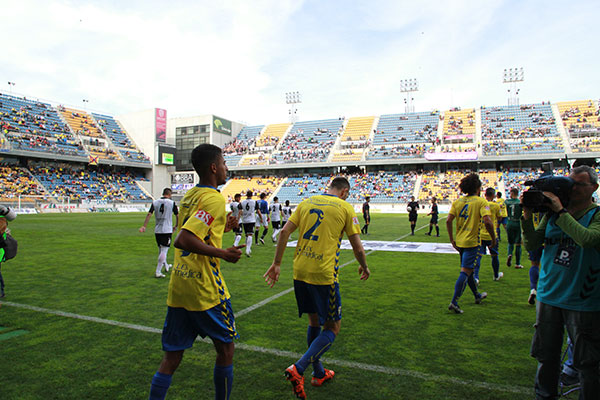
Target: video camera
x=560 y=186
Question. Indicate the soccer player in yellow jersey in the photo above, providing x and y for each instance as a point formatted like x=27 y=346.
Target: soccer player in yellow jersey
x=503 y=213
x=198 y=300
x=486 y=240
x=469 y=211
x=322 y=221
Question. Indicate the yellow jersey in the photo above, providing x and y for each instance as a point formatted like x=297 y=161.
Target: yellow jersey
x=495 y=213
x=468 y=211
x=503 y=211
x=322 y=221
x=196 y=281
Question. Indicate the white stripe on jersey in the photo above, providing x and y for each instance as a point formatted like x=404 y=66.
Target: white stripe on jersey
x=163 y=213
x=248 y=207
x=275 y=212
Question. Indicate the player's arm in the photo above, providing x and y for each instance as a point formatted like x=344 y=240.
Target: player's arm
x=176 y=212
x=143 y=228
x=450 y=229
x=360 y=255
x=187 y=241
x=272 y=274
x=489 y=227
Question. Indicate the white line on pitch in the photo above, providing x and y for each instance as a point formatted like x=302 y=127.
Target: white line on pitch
x=288 y=290
x=294 y=355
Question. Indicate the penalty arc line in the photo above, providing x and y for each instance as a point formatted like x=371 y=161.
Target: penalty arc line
x=293 y=355
x=289 y=290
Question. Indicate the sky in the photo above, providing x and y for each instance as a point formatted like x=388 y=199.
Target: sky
x=237 y=59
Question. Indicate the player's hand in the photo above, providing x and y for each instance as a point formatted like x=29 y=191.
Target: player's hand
x=142 y=229
x=364 y=273
x=233 y=254
x=493 y=244
x=454 y=245
x=232 y=222
x=272 y=275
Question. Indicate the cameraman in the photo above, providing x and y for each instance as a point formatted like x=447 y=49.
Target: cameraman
x=6 y=214
x=568 y=289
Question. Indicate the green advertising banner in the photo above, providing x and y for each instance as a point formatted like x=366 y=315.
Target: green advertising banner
x=221 y=125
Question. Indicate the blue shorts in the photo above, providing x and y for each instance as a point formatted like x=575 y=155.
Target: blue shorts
x=485 y=245
x=468 y=256
x=536 y=255
x=324 y=300
x=183 y=326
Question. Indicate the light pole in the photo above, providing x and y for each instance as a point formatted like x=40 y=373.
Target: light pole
x=85 y=101
x=409 y=86
x=293 y=98
x=512 y=76
x=10 y=86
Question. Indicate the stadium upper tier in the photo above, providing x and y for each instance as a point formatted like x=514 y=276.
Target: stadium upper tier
x=257 y=185
x=530 y=130
x=28 y=125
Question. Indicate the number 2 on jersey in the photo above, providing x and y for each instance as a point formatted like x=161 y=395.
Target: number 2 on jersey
x=464 y=213
x=308 y=235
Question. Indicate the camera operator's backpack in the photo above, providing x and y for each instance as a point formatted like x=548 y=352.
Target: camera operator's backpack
x=10 y=245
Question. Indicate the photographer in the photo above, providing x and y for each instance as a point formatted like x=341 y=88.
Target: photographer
x=6 y=214
x=568 y=289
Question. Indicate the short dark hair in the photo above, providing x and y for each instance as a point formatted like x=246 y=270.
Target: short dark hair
x=499 y=194
x=167 y=191
x=490 y=192
x=470 y=184
x=339 y=183
x=367 y=197
x=287 y=203
x=263 y=195
x=237 y=196
x=275 y=198
x=249 y=193
x=203 y=156
x=514 y=191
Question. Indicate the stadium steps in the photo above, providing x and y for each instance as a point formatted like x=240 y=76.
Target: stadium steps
x=417 y=189
x=277 y=189
x=140 y=184
x=440 y=133
x=109 y=141
x=370 y=137
x=478 y=132
x=560 y=126
x=75 y=135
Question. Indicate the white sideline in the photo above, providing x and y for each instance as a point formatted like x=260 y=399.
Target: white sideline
x=293 y=355
x=286 y=291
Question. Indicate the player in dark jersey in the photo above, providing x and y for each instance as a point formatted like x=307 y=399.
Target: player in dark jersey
x=513 y=226
x=263 y=206
x=366 y=215
x=434 y=218
x=412 y=208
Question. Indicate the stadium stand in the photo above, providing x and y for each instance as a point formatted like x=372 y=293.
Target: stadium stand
x=16 y=182
x=354 y=139
x=119 y=138
x=308 y=141
x=85 y=183
x=459 y=125
x=296 y=189
x=257 y=185
x=35 y=126
x=579 y=116
x=443 y=186
x=242 y=144
x=382 y=187
x=271 y=136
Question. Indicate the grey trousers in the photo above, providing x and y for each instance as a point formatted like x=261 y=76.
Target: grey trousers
x=546 y=347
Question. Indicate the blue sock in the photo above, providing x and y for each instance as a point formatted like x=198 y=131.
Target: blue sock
x=459 y=287
x=518 y=254
x=495 y=266
x=160 y=385
x=311 y=334
x=319 y=346
x=472 y=285
x=534 y=273
x=223 y=379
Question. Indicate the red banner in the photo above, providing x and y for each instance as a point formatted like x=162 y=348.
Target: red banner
x=161 y=125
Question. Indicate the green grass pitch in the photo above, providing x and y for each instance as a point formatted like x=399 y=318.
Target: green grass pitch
x=398 y=340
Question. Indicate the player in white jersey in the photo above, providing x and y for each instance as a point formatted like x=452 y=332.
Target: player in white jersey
x=275 y=210
x=236 y=211
x=286 y=212
x=249 y=207
x=163 y=210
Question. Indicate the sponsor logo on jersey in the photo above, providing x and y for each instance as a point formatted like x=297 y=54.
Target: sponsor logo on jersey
x=205 y=217
x=355 y=221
